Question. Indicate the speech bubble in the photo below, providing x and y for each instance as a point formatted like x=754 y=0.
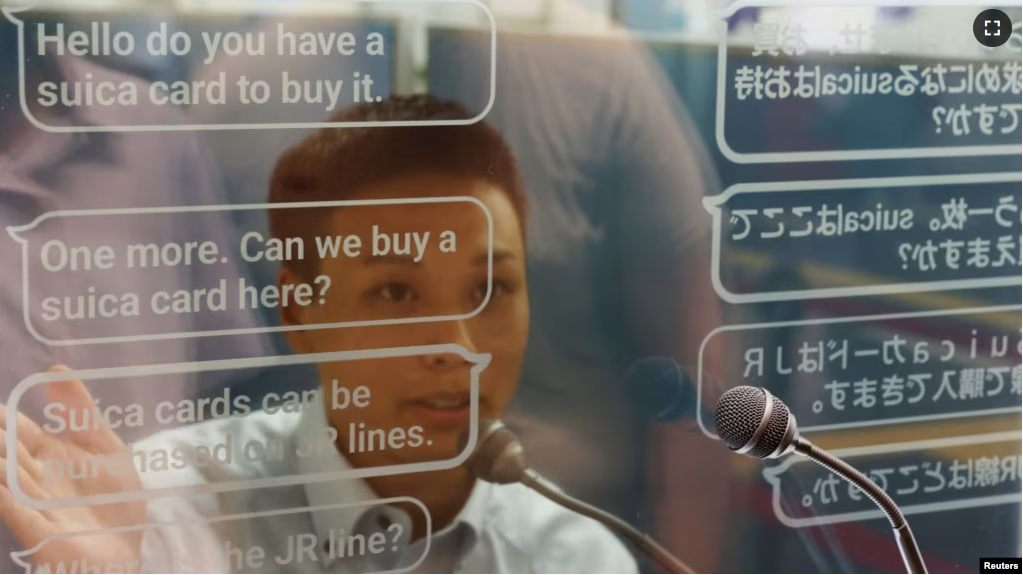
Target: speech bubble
x=239 y=446
x=131 y=324
x=918 y=475
x=918 y=214
x=906 y=389
x=856 y=113
x=254 y=556
x=183 y=46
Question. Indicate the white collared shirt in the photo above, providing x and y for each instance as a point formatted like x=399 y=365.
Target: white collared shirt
x=501 y=528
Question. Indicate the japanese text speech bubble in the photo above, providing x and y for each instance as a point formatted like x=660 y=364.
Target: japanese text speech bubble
x=126 y=275
x=218 y=552
x=863 y=237
x=229 y=440
x=274 y=67
x=921 y=476
x=843 y=373
x=833 y=81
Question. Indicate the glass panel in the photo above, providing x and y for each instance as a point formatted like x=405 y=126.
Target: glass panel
x=364 y=286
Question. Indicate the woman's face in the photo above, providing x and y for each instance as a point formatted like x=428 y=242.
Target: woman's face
x=428 y=391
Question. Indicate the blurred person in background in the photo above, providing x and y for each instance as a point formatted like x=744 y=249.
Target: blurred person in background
x=44 y=171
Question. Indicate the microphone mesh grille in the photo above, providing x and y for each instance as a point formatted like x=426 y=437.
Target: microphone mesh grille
x=775 y=431
x=739 y=412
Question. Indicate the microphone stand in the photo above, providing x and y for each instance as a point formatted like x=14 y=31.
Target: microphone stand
x=499 y=458
x=536 y=482
x=903 y=536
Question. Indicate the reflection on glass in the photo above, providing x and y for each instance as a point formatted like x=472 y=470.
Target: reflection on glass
x=292 y=251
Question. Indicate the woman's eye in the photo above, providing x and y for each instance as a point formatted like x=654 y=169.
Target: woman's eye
x=480 y=293
x=395 y=292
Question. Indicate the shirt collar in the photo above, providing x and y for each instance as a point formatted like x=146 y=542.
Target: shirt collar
x=328 y=496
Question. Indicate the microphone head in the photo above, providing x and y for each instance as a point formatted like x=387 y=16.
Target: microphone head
x=661 y=389
x=499 y=456
x=751 y=421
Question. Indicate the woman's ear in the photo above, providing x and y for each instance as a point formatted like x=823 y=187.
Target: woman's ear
x=292 y=315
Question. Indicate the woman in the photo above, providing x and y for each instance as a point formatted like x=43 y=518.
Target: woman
x=460 y=256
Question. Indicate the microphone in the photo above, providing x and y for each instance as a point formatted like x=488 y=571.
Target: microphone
x=500 y=458
x=662 y=390
x=753 y=422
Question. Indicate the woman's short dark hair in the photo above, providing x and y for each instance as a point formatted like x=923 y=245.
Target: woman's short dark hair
x=335 y=163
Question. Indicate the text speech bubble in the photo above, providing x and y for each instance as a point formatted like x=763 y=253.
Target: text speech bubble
x=231 y=442
x=841 y=373
x=373 y=546
x=872 y=236
x=126 y=275
x=274 y=70
x=833 y=81
x=921 y=476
